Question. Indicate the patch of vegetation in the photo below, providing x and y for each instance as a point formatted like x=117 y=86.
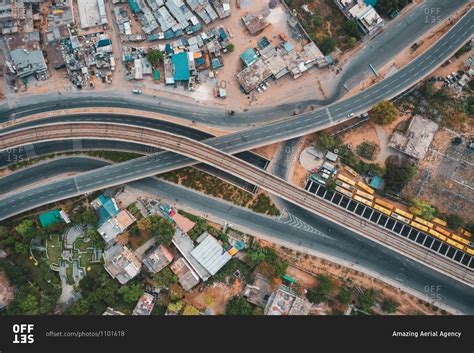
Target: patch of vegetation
x=161 y=229
x=384 y=7
x=325 y=142
x=366 y=150
x=114 y=156
x=344 y=295
x=263 y=204
x=390 y=305
x=165 y=278
x=228 y=271
x=267 y=262
x=454 y=221
x=383 y=113
x=238 y=306
x=367 y=299
x=423 y=209
x=211 y=185
x=200 y=227
x=398 y=173
x=155 y=56
x=325 y=24
x=321 y=292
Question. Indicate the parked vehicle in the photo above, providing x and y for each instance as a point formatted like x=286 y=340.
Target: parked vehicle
x=137 y=91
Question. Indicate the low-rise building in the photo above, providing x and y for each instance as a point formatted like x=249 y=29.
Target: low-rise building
x=259 y=291
x=366 y=16
x=121 y=263
x=111 y=228
x=417 y=140
x=284 y=301
x=27 y=63
x=144 y=305
x=255 y=23
x=210 y=253
x=186 y=275
x=158 y=259
x=112 y=312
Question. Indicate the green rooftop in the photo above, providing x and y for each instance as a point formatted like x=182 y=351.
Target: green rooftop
x=50 y=217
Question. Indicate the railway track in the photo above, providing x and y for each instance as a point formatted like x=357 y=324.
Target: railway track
x=216 y=158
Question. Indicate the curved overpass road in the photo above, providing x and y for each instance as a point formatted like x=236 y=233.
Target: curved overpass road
x=338 y=245
x=313 y=120
x=241 y=169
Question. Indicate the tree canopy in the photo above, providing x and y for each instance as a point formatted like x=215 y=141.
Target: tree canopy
x=132 y=292
x=155 y=56
x=161 y=229
x=383 y=113
x=238 y=306
x=398 y=173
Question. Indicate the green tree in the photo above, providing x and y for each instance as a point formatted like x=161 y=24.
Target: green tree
x=27 y=229
x=383 y=113
x=161 y=229
x=238 y=306
x=351 y=29
x=344 y=295
x=230 y=47
x=423 y=209
x=29 y=304
x=165 y=278
x=190 y=310
x=321 y=292
x=81 y=307
x=175 y=307
x=454 y=221
x=176 y=292
x=389 y=305
x=131 y=293
x=327 y=45
x=367 y=299
x=155 y=56
x=398 y=173
x=88 y=216
x=4 y=232
x=317 y=21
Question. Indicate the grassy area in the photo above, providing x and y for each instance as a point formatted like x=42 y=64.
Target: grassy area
x=211 y=185
x=325 y=24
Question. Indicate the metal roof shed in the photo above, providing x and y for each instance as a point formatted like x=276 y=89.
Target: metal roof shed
x=210 y=254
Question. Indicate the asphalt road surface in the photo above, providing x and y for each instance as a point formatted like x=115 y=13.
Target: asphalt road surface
x=329 y=239
x=398 y=35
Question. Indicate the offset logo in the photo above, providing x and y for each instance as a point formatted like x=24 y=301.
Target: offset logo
x=23 y=333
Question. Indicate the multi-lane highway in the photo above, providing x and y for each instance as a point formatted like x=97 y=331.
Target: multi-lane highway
x=284 y=127
x=216 y=158
x=329 y=241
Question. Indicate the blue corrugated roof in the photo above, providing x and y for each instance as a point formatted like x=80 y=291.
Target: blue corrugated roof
x=375 y=182
x=249 y=57
x=181 y=66
x=134 y=6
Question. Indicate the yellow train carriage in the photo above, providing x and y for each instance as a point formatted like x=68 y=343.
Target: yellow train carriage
x=469 y=250
x=346 y=179
x=351 y=171
x=465 y=232
x=455 y=244
x=365 y=187
x=440 y=222
x=343 y=191
x=437 y=234
x=384 y=203
x=424 y=222
x=460 y=239
x=362 y=200
x=383 y=209
x=401 y=218
x=442 y=231
x=344 y=185
x=419 y=226
x=364 y=194
x=403 y=213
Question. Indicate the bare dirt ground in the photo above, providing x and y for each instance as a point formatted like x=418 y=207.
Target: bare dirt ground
x=300 y=174
x=213 y=297
x=305 y=268
x=445 y=178
x=267 y=151
x=6 y=291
